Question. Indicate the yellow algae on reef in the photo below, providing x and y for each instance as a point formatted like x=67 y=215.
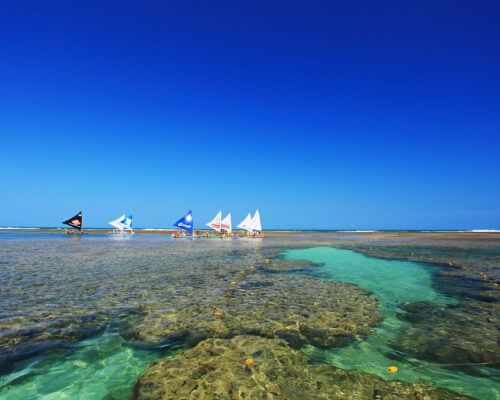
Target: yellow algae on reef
x=213 y=369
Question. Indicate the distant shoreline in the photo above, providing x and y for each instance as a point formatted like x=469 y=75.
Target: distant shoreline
x=351 y=233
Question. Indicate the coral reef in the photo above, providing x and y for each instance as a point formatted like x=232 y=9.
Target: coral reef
x=218 y=369
x=297 y=308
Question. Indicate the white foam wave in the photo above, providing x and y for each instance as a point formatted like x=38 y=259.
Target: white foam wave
x=359 y=231
x=14 y=228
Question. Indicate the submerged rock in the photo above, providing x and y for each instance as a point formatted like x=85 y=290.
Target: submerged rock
x=21 y=338
x=249 y=367
x=282 y=265
x=299 y=309
x=448 y=335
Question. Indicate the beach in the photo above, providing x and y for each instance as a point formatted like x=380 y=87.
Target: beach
x=297 y=314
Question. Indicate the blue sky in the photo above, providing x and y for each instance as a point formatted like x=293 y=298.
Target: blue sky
x=322 y=114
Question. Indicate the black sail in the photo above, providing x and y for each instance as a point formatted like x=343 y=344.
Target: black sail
x=75 y=222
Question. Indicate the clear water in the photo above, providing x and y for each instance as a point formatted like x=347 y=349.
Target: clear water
x=97 y=368
x=92 y=288
x=392 y=282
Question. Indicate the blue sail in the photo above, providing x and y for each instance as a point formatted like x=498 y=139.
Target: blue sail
x=186 y=222
x=128 y=222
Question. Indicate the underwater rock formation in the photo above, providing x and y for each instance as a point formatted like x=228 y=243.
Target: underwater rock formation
x=449 y=335
x=281 y=265
x=250 y=367
x=299 y=309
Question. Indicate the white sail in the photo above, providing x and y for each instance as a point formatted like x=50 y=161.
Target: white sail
x=245 y=224
x=255 y=224
x=215 y=223
x=226 y=223
x=128 y=223
x=118 y=223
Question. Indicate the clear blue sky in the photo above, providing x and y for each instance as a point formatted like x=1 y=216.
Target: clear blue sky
x=323 y=114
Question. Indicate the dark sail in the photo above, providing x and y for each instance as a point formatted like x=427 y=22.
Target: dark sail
x=75 y=222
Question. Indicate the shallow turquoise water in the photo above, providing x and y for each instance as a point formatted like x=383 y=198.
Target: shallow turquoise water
x=98 y=368
x=392 y=282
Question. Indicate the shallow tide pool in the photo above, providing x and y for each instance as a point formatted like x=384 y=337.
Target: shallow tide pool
x=104 y=367
x=392 y=282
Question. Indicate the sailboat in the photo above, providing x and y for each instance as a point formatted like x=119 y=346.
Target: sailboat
x=122 y=224
x=185 y=224
x=252 y=225
x=226 y=225
x=215 y=223
x=75 y=222
x=245 y=224
x=255 y=224
x=128 y=223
